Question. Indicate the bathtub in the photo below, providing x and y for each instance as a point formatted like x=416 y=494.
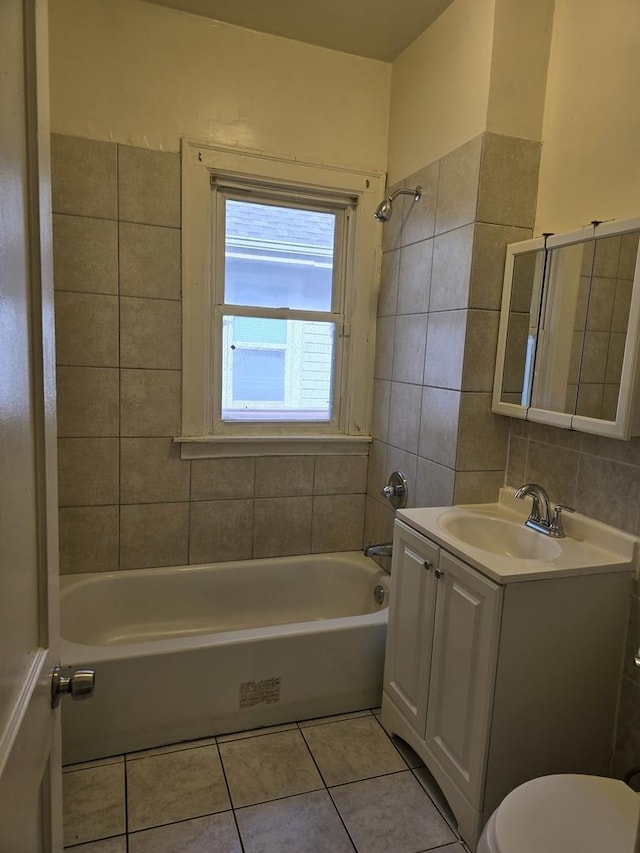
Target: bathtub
x=193 y=651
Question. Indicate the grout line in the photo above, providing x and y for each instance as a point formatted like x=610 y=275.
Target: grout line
x=233 y=811
x=327 y=789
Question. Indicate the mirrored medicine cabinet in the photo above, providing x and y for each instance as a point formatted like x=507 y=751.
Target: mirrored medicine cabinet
x=570 y=331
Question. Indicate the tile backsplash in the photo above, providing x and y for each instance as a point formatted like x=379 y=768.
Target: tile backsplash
x=127 y=499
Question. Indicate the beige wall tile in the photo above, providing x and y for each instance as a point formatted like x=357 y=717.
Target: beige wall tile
x=409 y=348
x=594 y=357
x=151 y=471
x=554 y=435
x=488 y=260
x=414 y=281
x=87 y=471
x=284 y=476
x=458 y=186
x=628 y=255
x=621 y=305
x=439 y=425
x=482 y=436
x=434 y=484
x=149 y=186
x=450 y=278
x=150 y=333
x=86 y=329
x=606 y=258
x=85 y=254
x=477 y=486
x=282 y=526
x=378 y=524
x=555 y=469
x=380 y=417
x=222 y=479
x=420 y=217
x=480 y=350
x=336 y=475
x=149 y=261
x=89 y=539
x=508 y=185
x=444 y=356
x=83 y=177
x=154 y=535
x=150 y=402
x=404 y=416
x=220 y=530
x=516 y=461
x=87 y=401
x=388 y=296
x=385 y=339
x=406 y=463
x=615 y=504
x=600 y=306
x=377 y=473
x=337 y=523
x=615 y=357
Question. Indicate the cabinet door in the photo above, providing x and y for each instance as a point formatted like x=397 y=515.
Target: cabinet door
x=410 y=633
x=463 y=667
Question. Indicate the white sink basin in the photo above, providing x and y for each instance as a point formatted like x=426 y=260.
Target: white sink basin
x=500 y=536
x=493 y=539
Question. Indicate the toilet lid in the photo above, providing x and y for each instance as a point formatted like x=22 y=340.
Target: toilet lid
x=567 y=814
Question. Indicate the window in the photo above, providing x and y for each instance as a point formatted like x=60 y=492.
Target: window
x=279 y=312
x=279 y=273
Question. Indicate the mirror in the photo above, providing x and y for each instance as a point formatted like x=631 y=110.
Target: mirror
x=568 y=341
x=525 y=270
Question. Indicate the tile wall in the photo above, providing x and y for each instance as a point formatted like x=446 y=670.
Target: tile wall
x=599 y=477
x=127 y=499
x=438 y=312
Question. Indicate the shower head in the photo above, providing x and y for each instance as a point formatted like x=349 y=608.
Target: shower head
x=385 y=208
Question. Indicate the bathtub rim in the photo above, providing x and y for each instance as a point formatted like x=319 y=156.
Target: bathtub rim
x=73 y=653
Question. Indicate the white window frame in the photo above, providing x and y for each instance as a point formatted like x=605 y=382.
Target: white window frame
x=201 y=435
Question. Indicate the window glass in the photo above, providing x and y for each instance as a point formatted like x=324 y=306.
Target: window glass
x=278 y=257
x=277 y=369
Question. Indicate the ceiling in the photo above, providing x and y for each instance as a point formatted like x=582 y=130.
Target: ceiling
x=377 y=29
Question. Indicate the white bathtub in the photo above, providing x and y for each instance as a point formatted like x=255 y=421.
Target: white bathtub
x=192 y=651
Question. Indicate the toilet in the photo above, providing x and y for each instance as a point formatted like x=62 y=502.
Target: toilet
x=564 y=814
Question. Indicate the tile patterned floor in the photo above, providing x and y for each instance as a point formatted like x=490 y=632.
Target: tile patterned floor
x=334 y=785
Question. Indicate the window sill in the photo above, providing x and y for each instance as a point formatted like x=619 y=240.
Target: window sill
x=212 y=447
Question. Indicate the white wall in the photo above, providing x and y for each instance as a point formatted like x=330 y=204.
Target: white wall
x=440 y=87
x=591 y=133
x=521 y=45
x=133 y=72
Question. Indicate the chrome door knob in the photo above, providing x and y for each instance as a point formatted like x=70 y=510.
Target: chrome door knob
x=79 y=685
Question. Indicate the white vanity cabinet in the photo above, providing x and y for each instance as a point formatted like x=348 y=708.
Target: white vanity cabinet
x=496 y=683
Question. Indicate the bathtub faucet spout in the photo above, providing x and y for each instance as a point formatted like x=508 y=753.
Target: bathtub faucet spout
x=385 y=550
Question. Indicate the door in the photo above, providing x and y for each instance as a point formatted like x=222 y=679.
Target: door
x=30 y=802
x=410 y=634
x=465 y=644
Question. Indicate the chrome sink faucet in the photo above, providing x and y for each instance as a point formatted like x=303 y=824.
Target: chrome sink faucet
x=540 y=517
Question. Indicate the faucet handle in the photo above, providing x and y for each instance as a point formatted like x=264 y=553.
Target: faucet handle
x=556 y=521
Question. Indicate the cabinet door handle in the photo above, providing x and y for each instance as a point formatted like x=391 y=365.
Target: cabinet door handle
x=427 y=565
x=439 y=574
